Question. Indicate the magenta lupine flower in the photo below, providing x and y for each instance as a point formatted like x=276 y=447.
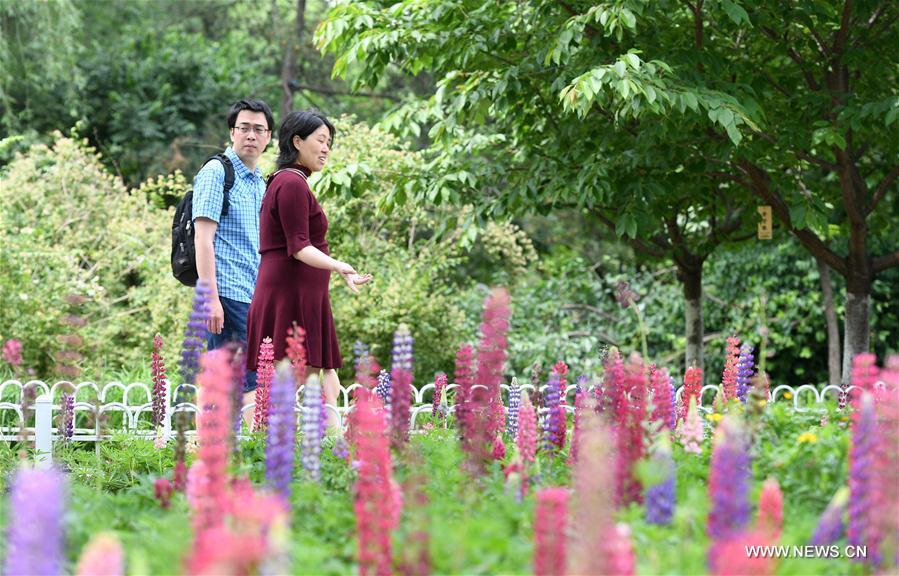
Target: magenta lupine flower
x=464 y=377
x=12 y=352
x=550 y=525
x=660 y=498
x=514 y=405
x=745 y=367
x=157 y=373
x=886 y=470
x=280 y=440
x=67 y=403
x=214 y=432
x=34 y=530
x=527 y=432
x=663 y=408
x=491 y=359
x=729 y=478
x=553 y=424
x=862 y=491
x=439 y=386
x=830 y=526
x=239 y=371
x=771 y=509
x=400 y=405
x=864 y=374
x=265 y=371
x=312 y=439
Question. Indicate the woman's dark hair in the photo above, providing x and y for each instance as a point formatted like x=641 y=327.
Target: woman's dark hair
x=252 y=106
x=300 y=123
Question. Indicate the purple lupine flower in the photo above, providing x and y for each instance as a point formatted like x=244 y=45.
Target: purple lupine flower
x=745 y=366
x=660 y=498
x=194 y=335
x=383 y=389
x=281 y=432
x=861 y=485
x=34 y=534
x=312 y=431
x=553 y=425
x=580 y=384
x=67 y=403
x=360 y=354
x=512 y=413
x=729 y=478
x=341 y=449
x=401 y=355
x=830 y=525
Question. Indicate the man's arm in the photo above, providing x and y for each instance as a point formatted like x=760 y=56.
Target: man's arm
x=203 y=243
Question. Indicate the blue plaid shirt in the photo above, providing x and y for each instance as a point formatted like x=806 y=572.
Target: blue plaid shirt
x=236 y=241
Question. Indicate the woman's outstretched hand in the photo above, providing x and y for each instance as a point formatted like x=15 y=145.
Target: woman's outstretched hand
x=354 y=280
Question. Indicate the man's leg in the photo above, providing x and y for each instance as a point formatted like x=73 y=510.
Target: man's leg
x=236 y=328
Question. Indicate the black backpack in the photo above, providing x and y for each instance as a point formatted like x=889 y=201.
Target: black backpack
x=184 y=254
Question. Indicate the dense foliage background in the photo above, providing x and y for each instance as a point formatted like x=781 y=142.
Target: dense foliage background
x=101 y=134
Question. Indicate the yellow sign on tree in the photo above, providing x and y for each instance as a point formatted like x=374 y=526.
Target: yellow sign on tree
x=766 y=226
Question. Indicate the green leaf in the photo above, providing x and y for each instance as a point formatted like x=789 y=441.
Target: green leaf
x=734 y=134
x=633 y=60
x=735 y=12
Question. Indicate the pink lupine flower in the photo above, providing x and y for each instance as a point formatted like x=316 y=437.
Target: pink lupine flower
x=439 y=385
x=630 y=412
x=527 y=430
x=465 y=379
x=265 y=373
x=103 y=556
x=691 y=432
x=662 y=398
x=731 y=369
x=729 y=557
x=865 y=374
x=214 y=432
x=162 y=489
x=296 y=352
x=491 y=358
x=550 y=523
x=884 y=525
x=157 y=374
x=375 y=514
x=196 y=487
x=12 y=352
x=770 y=520
x=692 y=389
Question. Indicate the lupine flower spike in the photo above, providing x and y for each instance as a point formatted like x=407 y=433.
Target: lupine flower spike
x=67 y=402
x=527 y=430
x=553 y=423
x=745 y=367
x=464 y=377
x=103 y=555
x=264 y=373
x=194 y=343
x=662 y=398
x=732 y=359
x=729 y=478
x=401 y=385
x=34 y=528
x=281 y=433
x=691 y=432
x=550 y=523
x=312 y=439
x=514 y=405
x=771 y=510
x=157 y=373
x=491 y=358
x=831 y=526
x=660 y=497
x=692 y=389
x=439 y=387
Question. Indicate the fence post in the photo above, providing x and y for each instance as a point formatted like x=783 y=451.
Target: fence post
x=43 y=431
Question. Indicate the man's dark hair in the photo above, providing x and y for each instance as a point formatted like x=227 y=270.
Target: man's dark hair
x=252 y=106
x=300 y=123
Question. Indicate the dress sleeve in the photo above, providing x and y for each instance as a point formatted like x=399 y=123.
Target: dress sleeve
x=294 y=204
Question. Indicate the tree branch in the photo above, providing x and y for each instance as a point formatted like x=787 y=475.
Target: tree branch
x=794 y=56
x=761 y=187
x=636 y=243
x=882 y=189
x=839 y=43
x=883 y=262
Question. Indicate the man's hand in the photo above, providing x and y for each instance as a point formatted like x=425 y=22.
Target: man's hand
x=216 y=320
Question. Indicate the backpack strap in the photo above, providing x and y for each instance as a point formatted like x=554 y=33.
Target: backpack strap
x=229 y=179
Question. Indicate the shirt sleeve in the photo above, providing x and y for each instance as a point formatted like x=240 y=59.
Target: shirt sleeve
x=294 y=206
x=209 y=191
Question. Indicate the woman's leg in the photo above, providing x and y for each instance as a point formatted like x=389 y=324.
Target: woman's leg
x=331 y=388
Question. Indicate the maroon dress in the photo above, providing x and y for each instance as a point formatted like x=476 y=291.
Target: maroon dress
x=288 y=290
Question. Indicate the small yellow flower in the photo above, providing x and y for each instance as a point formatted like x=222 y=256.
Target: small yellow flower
x=809 y=437
x=715 y=417
x=844 y=418
x=787 y=395
x=762 y=403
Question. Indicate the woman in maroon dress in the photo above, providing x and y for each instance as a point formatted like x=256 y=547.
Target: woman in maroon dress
x=295 y=268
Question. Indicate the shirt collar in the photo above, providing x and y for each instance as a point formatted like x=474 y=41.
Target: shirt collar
x=240 y=169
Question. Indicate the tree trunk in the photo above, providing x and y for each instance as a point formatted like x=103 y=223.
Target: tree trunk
x=694 y=330
x=856 y=337
x=833 y=326
x=288 y=65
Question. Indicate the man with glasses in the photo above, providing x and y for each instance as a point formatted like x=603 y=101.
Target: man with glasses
x=227 y=246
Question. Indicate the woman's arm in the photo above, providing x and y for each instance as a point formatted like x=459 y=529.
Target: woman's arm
x=312 y=256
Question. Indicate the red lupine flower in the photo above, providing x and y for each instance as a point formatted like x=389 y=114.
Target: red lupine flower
x=662 y=398
x=630 y=412
x=729 y=378
x=692 y=389
x=465 y=379
x=265 y=372
x=375 y=513
x=296 y=353
x=561 y=368
x=728 y=557
x=499 y=448
x=771 y=504
x=213 y=429
x=157 y=373
x=550 y=522
x=527 y=429
x=163 y=491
